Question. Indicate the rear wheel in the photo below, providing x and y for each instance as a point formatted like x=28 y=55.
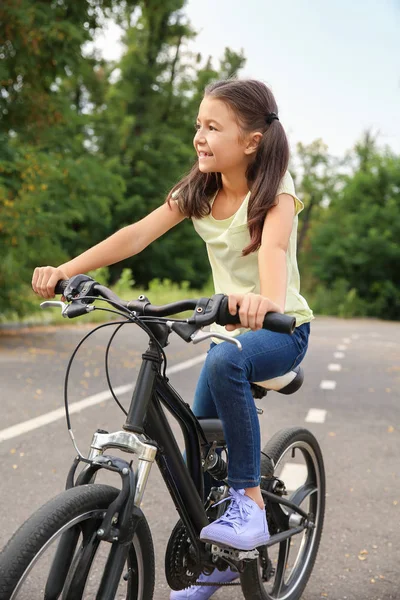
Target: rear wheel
x=292 y=462
x=73 y=516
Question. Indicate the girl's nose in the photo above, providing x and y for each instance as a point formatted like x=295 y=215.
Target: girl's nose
x=199 y=136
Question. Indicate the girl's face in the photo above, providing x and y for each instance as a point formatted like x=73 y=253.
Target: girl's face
x=219 y=141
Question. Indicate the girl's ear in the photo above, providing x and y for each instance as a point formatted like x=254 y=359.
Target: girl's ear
x=253 y=142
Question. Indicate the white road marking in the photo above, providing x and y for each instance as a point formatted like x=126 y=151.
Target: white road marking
x=326 y=384
x=346 y=340
x=316 y=415
x=338 y=354
x=355 y=336
x=74 y=407
x=341 y=347
x=187 y=364
x=334 y=367
x=293 y=475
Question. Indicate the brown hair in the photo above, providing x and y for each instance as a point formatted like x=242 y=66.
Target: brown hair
x=252 y=101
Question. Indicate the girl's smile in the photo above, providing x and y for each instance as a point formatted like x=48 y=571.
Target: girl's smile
x=203 y=155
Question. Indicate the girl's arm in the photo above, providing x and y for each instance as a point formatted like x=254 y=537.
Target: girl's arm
x=272 y=254
x=124 y=243
x=272 y=268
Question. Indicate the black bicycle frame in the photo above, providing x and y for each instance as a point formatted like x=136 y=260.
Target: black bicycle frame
x=152 y=394
x=146 y=415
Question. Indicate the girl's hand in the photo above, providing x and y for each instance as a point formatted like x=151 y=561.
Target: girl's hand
x=45 y=279
x=252 y=310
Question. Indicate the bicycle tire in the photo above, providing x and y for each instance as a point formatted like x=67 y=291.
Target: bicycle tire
x=251 y=579
x=29 y=542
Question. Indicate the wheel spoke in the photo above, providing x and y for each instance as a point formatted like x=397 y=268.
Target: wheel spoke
x=302 y=493
x=62 y=561
x=82 y=567
x=279 y=582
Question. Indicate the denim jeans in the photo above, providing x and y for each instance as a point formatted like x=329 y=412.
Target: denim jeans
x=223 y=391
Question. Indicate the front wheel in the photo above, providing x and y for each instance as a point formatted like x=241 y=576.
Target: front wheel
x=74 y=516
x=292 y=461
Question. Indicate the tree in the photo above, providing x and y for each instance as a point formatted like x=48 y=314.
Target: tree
x=315 y=167
x=50 y=204
x=84 y=152
x=145 y=129
x=358 y=241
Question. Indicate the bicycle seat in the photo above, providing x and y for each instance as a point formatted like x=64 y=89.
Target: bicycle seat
x=285 y=384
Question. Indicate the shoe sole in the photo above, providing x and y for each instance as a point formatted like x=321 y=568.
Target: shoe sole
x=228 y=547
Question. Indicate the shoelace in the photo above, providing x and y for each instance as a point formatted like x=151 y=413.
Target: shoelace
x=237 y=512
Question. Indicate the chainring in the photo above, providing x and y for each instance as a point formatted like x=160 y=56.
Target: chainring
x=181 y=568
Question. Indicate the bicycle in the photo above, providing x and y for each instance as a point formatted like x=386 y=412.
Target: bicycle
x=102 y=543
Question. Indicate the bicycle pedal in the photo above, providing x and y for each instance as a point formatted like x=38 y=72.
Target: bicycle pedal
x=233 y=554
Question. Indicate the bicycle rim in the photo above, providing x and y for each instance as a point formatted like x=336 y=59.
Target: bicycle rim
x=282 y=570
x=294 y=555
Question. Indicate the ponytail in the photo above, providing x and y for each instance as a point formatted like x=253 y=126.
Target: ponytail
x=264 y=175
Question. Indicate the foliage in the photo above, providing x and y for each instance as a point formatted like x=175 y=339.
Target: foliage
x=355 y=248
x=52 y=205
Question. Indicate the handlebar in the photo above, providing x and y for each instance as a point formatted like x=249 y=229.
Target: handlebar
x=206 y=310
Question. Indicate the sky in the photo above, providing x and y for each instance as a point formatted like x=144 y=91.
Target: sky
x=333 y=66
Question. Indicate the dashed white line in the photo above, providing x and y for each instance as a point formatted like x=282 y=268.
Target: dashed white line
x=341 y=347
x=338 y=354
x=355 y=336
x=334 y=367
x=346 y=340
x=316 y=415
x=327 y=384
x=74 y=407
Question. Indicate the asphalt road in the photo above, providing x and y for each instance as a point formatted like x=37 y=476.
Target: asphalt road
x=359 y=557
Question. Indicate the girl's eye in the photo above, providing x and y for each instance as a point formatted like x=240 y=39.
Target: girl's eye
x=197 y=126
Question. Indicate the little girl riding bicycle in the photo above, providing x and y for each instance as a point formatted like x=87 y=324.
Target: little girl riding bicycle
x=242 y=202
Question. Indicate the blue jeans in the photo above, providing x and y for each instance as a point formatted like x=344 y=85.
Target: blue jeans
x=223 y=391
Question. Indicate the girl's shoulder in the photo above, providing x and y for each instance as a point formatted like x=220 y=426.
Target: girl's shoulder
x=286 y=186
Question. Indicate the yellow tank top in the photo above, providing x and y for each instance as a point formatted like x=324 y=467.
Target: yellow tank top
x=233 y=273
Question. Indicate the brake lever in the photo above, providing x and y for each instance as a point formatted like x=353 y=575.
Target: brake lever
x=69 y=311
x=54 y=304
x=200 y=336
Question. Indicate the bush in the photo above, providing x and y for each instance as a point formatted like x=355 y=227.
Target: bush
x=338 y=300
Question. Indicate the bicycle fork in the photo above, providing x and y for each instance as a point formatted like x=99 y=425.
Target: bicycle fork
x=118 y=524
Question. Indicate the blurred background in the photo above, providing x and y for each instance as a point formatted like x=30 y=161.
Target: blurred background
x=97 y=105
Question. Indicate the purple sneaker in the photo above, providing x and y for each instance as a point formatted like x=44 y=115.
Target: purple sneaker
x=199 y=592
x=243 y=526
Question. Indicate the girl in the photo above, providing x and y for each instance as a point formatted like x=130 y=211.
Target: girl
x=242 y=202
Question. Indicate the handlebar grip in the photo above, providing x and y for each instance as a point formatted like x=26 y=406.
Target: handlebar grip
x=61 y=286
x=273 y=321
